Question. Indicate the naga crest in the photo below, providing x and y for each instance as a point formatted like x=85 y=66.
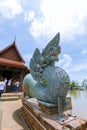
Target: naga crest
x=49 y=55
x=46 y=81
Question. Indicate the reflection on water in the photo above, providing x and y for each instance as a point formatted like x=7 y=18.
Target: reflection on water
x=79 y=102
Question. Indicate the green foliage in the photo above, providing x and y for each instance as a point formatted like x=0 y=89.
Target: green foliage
x=43 y=81
x=73 y=84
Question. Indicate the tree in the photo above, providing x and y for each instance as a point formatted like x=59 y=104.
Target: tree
x=73 y=84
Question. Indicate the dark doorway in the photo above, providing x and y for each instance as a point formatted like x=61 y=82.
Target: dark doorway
x=7 y=74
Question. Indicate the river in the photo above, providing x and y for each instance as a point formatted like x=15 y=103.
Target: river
x=79 y=102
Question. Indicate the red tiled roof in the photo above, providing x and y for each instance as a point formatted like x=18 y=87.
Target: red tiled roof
x=6 y=61
x=12 y=63
x=12 y=45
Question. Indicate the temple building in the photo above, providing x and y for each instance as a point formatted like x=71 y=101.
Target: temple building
x=12 y=65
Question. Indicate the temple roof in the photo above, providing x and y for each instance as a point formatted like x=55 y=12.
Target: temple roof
x=10 y=56
x=11 y=63
x=13 y=50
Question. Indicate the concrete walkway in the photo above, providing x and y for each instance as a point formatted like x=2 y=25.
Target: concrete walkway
x=10 y=116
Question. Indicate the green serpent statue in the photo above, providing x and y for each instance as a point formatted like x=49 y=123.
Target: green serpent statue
x=45 y=81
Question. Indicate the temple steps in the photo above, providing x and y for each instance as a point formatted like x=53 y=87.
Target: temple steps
x=11 y=96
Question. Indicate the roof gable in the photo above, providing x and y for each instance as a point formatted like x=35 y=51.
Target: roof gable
x=11 y=53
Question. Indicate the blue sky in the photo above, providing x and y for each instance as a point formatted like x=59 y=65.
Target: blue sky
x=34 y=23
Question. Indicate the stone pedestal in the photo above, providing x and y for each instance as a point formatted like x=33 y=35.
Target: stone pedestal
x=43 y=117
x=48 y=108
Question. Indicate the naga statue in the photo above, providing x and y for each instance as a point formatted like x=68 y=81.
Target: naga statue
x=46 y=82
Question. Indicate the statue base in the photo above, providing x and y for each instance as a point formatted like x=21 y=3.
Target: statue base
x=48 y=108
x=38 y=116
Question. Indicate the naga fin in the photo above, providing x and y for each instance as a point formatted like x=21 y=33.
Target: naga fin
x=53 y=43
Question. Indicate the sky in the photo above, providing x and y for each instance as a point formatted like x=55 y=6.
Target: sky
x=33 y=23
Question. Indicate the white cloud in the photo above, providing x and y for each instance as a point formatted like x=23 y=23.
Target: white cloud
x=61 y=16
x=76 y=71
x=84 y=52
x=29 y=15
x=39 y=28
x=10 y=8
x=65 y=62
x=78 y=67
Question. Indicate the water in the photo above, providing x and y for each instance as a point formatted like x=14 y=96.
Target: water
x=79 y=102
